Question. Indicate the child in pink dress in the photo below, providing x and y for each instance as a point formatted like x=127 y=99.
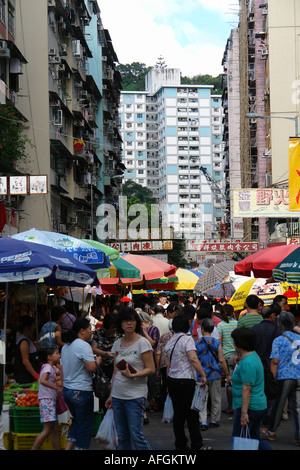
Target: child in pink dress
x=48 y=390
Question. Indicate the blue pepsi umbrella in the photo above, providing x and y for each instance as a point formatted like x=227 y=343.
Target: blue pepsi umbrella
x=29 y=262
x=78 y=249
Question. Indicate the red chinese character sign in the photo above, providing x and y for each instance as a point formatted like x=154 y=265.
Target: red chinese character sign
x=294 y=174
x=222 y=247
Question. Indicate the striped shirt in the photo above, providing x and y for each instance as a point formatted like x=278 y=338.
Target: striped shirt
x=225 y=329
x=249 y=320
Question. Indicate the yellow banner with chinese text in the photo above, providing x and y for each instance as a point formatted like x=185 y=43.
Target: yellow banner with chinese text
x=294 y=174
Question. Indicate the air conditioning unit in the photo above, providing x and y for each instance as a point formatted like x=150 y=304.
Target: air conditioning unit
x=4 y=50
x=78 y=84
x=61 y=68
x=51 y=3
x=77 y=51
x=59 y=118
x=63 y=48
x=55 y=59
x=52 y=52
x=84 y=93
x=104 y=58
x=73 y=220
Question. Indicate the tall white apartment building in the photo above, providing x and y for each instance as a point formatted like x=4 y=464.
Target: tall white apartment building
x=170 y=133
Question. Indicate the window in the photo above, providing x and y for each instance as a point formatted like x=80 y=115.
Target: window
x=11 y=19
x=139 y=115
x=2 y=11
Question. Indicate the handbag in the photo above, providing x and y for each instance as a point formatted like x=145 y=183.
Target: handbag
x=244 y=442
x=61 y=406
x=199 y=397
x=101 y=384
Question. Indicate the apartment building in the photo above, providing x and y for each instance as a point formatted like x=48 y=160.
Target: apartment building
x=65 y=93
x=172 y=143
x=266 y=60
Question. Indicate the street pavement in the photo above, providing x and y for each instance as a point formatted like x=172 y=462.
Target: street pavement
x=160 y=435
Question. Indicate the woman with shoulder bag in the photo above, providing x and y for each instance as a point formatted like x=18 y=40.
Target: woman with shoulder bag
x=183 y=365
x=78 y=364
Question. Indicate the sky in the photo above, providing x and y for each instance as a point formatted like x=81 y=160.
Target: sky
x=189 y=34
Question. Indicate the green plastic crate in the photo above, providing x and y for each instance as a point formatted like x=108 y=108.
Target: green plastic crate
x=26 y=419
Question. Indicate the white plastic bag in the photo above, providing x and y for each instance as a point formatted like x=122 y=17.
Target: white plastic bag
x=168 y=411
x=107 y=434
x=199 y=397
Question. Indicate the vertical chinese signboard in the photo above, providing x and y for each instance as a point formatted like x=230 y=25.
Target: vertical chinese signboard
x=294 y=174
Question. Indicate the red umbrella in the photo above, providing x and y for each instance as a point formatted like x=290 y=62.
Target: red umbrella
x=264 y=261
x=150 y=267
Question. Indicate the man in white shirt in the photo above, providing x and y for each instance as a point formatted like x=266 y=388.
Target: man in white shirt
x=162 y=300
x=160 y=321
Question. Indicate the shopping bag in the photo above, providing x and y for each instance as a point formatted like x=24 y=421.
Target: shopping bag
x=244 y=442
x=61 y=406
x=168 y=411
x=199 y=397
x=107 y=434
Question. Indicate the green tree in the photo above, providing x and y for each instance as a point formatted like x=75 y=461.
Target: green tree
x=13 y=141
x=177 y=256
x=138 y=194
x=133 y=76
x=205 y=80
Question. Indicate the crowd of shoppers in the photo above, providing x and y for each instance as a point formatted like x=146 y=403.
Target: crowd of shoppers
x=164 y=346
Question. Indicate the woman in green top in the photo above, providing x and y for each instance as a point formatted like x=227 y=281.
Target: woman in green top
x=249 y=400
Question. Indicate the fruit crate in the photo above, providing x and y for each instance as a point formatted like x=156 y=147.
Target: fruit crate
x=24 y=441
x=7 y=441
x=26 y=419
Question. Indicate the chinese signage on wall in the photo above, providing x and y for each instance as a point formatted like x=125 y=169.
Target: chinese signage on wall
x=266 y=202
x=222 y=247
x=153 y=245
